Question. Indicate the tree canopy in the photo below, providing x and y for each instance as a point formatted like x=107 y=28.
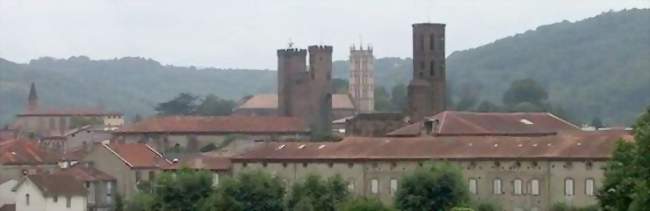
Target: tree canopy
x=439 y=187
x=317 y=193
x=186 y=104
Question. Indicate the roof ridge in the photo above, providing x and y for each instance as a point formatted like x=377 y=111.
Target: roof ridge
x=117 y=154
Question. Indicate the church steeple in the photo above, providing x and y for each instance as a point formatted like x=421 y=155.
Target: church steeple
x=32 y=100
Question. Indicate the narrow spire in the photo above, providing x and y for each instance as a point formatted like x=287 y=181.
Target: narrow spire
x=32 y=100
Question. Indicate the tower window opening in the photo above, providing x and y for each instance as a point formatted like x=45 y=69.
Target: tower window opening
x=432 y=42
x=432 y=68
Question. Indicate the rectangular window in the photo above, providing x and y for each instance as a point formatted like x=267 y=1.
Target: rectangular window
x=517 y=187
x=568 y=187
x=56 y=199
x=68 y=202
x=393 y=186
x=534 y=187
x=138 y=177
x=473 y=189
x=152 y=175
x=374 y=186
x=215 y=179
x=496 y=186
x=589 y=187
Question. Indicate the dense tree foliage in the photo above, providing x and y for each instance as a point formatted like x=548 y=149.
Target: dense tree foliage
x=249 y=191
x=626 y=185
x=525 y=91
x=364 y=204
x=186 y=104
x=174 y=191
x=317 y=193
x=439 y=187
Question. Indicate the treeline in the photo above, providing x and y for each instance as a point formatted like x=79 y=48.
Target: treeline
x=188 y=104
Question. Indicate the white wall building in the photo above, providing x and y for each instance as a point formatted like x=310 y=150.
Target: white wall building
x=50 y=193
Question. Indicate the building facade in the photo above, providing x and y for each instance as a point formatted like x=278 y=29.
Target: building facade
x=50 y=193
x=519 y=173
x=302 y=93
x=362 y=78
x=267 y=105
x=427 y=89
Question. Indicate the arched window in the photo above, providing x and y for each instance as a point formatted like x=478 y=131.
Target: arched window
x=568 y=187
x=534 y=187
x=473 y=186
x=496 y=186
x=393 y=186
x=517 y=184
x=589 y=187
x=374 y=186
x=432 y=69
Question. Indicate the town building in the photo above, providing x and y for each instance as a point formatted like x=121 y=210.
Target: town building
x=130 y=164
x=361 y=80
x=219 y=167
x=50 y=193
x=81 y=138
x=99 y=186
x=7 y=195
x=20 y=157
x=267 y=105
x=44 y=121
x=306 y=93
x=192 y=133
x=427 y=89
x=518 y=172
x=374 y=124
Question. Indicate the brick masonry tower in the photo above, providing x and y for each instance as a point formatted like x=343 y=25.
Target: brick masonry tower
x=427 y=89
x=303 y=93
x=362 y=83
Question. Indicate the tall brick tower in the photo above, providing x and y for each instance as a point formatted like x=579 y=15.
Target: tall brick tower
x=362 y=83
x=303 y=93
x=320 y=65
x=427 y=89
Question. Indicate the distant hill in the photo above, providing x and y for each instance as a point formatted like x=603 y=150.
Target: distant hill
x=595 y=67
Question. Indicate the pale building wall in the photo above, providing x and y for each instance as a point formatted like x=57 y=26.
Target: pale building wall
x=7 y=196
x=361 y=80
x=114 y=120
x=550 y=176
x=36 y=199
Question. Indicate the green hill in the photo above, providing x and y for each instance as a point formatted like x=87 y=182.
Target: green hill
x=595 y=67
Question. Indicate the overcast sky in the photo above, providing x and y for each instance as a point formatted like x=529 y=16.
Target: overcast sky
x=246 y=33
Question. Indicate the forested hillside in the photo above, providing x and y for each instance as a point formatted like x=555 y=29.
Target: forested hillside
x=598 y=67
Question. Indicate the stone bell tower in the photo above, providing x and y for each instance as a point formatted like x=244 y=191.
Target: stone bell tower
x=427 y=90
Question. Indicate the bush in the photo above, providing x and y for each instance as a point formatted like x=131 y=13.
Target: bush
x=364 y=204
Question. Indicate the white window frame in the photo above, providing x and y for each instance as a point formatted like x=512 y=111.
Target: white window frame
x=497 y=186
x=215 y=179
x=569 y=187
x=473 y=186
x=393 y=186
x=534 y=187
x=517 y=185
x=374 y=186
x=590 y=186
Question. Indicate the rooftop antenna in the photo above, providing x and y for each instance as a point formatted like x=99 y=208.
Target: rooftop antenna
x=290 y=43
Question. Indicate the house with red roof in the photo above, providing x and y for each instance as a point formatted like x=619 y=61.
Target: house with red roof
x=100 y=186
x=45 y=192
x=129 y=164
x=20 y=157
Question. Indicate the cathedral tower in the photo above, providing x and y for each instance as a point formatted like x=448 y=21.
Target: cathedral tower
x=427 y=89
x=362 y=83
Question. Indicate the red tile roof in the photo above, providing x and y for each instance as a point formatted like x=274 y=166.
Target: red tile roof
x=221 y=124
x=451 y=123
x=60 y=185
x=270 y=101
x=85 y=173
x=23 y=151
x=582 y=145
x=202 y=162
x=138 y=155
x=69 y=112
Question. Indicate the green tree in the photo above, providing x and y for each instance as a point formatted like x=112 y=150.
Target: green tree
x=119 y=203
x=364 y=204
x=399 y=97
x=597 y=123
x=212 y=105
x=249 y=191
x=487 y=106
x=340 y=86
x=382 y=99
x=525 y=91
x=626 y=185
x=183 y=104
x=440 y=187
x=181 y=190
x=324 y=195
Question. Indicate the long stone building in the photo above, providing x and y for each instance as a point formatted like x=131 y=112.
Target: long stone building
x=520 y=172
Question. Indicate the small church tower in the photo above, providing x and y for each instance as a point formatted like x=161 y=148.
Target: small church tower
x=362 y=82
x=32 y=100
x=427 y=90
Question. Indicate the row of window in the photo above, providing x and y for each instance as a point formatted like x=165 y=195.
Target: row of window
x=533 y=187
